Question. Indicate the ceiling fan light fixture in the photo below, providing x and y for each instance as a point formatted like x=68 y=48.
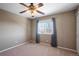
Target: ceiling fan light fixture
x=33 y=8
x=33 y=13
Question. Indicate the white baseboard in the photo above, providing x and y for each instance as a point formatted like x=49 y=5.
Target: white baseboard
x=12 y=47
x=67 y=49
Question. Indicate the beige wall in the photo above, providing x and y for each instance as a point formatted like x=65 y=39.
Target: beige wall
x=28 y=30
x=14 y=29
x=66 y=29
x=46 y=38
x=33 y=30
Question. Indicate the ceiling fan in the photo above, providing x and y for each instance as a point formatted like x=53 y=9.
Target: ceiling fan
x=32 y=8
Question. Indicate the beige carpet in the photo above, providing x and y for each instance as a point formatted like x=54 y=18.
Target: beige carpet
x=37 y=50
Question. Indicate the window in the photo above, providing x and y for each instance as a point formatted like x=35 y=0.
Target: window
x=45 y=27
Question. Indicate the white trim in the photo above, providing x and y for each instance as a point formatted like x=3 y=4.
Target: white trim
x=12 y=47
x=67 y=49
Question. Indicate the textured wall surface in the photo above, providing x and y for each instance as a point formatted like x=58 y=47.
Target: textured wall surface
x=14 y=29
x=66 y=29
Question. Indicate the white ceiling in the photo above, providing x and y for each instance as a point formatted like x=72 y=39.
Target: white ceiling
x=48 y=8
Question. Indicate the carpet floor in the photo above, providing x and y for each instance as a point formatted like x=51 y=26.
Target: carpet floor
x=32 y=49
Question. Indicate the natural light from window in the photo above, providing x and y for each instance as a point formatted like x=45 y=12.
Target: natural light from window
x=45 y=27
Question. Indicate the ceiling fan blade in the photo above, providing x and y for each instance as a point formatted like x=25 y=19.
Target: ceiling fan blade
x=40 y=12
x=23 y=4
x=40 y=4
x=23 y=11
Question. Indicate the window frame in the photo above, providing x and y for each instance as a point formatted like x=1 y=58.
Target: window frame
x=51 y=26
